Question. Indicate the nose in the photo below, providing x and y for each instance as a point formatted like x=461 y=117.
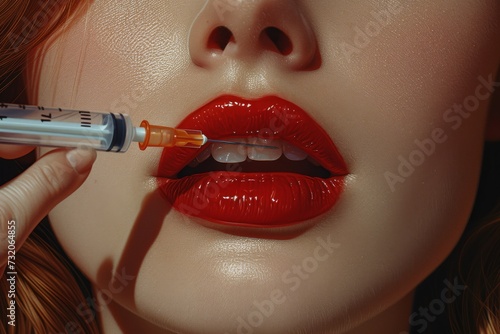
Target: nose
x=248 y=30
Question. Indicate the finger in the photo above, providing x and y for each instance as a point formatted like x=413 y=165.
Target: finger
x=30 y=196
x=14 y=151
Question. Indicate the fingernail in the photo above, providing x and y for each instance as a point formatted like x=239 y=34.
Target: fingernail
x=81 y=159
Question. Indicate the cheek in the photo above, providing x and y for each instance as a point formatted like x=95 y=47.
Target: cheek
x=417 y=134
x=118 y=58
x=117 y=61
x=422 y=89
x=409 y=110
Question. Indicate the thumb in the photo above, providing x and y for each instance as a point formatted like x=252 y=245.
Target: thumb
x=29 y=197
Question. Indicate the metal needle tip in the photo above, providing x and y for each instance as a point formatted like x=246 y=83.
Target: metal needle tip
x=238 y=143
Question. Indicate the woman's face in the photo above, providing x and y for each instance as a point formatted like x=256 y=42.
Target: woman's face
x=400 y=89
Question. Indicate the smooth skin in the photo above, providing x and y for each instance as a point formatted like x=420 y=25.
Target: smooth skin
x=380 y=97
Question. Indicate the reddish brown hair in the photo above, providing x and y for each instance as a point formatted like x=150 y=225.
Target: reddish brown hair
x=48 y=290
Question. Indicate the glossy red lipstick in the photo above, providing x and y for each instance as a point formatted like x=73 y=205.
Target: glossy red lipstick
x=256 y=199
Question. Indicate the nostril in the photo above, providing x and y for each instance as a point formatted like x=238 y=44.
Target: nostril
x=273 y=37
x=279 y=39
x=220 y=38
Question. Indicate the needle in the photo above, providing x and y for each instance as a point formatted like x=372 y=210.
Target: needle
x=238 y=143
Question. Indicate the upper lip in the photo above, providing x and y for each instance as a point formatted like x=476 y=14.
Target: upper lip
x=268 y=117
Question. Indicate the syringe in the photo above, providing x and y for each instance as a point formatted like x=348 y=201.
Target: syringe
x=112 y=132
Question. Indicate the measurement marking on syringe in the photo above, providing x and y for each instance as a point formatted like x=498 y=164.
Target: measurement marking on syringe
x=46 y=118
x=85 y=119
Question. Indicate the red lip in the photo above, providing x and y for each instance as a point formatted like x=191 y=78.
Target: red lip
x=258 y=199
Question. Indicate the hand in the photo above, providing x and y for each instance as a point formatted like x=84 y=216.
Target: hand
x=28 y=198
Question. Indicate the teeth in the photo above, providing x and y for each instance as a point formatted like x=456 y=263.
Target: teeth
x=264 y=154
x=293 y=153
x=227 y=153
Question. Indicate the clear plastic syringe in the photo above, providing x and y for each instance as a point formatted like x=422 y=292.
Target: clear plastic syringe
x=112 y=132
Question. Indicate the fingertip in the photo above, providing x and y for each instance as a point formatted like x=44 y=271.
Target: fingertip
x=81 y=159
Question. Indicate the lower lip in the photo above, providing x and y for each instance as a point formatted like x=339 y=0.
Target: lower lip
x=252 y=199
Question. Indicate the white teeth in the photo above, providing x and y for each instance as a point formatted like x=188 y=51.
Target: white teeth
x=228 y=153
x=293 y=153
x=264 y=154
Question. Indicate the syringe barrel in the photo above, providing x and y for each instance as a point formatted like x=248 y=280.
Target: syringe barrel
x=56 y=127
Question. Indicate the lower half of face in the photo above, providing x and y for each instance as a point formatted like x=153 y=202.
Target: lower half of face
x=401 y=90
